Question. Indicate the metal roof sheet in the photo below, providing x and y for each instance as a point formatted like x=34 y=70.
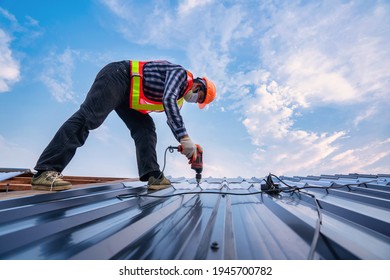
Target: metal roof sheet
x=7 y=173
x=315 y=217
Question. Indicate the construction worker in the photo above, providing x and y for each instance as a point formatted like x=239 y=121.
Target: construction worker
x=133 y=89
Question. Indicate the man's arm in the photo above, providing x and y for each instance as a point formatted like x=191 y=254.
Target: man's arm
x=175 y=83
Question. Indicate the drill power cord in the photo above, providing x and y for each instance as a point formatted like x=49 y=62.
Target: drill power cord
x=269 y=187
x=171 y=150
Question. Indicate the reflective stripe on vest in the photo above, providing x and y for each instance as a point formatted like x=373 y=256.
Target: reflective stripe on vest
x=138 y=100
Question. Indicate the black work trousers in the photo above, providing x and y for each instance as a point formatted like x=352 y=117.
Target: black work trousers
x=109 y=91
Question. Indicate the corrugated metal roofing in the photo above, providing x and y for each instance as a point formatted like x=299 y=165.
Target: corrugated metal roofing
x=7 y=173
x=315 y=217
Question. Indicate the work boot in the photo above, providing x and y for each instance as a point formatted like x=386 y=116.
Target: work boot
x=50 y=181
x=159 y=183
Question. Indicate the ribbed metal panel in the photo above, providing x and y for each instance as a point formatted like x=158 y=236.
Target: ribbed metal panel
x=332 y=217
x=7 y=173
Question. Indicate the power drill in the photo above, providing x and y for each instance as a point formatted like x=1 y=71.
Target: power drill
x=196 y=164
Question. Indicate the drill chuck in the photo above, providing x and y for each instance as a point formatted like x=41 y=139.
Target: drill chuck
x=197 y=164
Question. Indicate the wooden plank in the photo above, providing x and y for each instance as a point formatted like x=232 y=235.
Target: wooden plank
x=21 y=190
x=14 y=187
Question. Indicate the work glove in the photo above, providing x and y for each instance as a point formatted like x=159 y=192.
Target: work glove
x=188 y=148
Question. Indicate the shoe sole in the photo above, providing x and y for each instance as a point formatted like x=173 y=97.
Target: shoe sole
x=157 y=187
x=54 y=188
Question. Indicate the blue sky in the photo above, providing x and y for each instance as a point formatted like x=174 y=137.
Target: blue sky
x=303 y=86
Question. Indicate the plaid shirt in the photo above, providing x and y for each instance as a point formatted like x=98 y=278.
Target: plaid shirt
x=166 y=82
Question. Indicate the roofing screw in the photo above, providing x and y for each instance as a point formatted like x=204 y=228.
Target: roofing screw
x=214 y=246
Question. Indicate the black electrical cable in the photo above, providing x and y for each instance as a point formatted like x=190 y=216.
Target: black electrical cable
x=170 y=148
x=318 y=208
x=317 y=231
x=288 y=189
x=122 y=196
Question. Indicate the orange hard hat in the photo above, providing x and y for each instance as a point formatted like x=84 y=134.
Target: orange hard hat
x=211 y=92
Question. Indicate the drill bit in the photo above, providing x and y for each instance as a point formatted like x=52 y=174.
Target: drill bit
x=198 y=177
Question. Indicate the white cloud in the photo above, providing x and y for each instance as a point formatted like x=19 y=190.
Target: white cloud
x=365 y=115
x=331 y=52
x=119 y=8
x=32 y=21
x=364 y=159
x=10 y=68
x=317 y=78
x=8 y=15
x=21 y=31
x=57 y=75
x=206 y=35
x=320 y=56
x=275 y=61
x=269 y=113
x=187 y=6
x=299 y=153
x=281 y=148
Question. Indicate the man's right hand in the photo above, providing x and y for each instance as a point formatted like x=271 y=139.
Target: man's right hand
x=189 y=148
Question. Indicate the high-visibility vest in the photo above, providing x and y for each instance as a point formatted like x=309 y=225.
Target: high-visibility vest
x=138 y=100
